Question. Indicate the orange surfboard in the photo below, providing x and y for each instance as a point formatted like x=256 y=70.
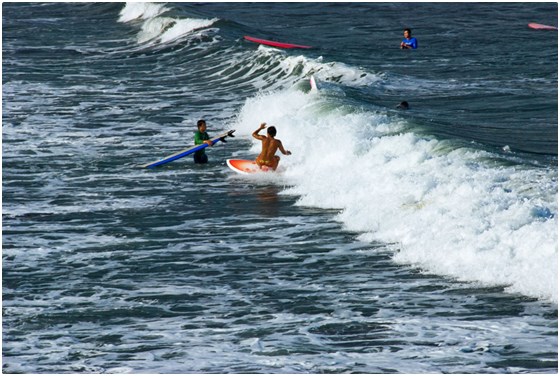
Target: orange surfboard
x=243 y=166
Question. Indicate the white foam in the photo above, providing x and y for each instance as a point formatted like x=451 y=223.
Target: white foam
x=447 y=210
x=166 y=29
x=134 y=11
x=159 y=29
x=299 y=66
x=185 y=26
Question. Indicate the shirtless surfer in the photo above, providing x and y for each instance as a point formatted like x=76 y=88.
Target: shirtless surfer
x=267 y=156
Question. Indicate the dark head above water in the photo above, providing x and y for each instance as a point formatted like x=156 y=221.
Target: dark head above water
x=403 y=106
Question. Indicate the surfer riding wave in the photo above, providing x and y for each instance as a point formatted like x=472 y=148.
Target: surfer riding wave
x=267 y=156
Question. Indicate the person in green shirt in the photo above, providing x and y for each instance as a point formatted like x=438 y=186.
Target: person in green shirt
x=200 y=137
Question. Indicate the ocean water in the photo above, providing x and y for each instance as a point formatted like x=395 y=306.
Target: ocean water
x=419 y=241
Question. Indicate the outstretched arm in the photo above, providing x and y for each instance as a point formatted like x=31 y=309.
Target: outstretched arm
x=256 y=133
x=281 y=148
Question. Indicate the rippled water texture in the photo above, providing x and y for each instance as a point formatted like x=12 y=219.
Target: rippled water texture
x=419 y=241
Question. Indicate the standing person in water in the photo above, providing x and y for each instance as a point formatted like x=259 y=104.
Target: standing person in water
x=409 y=42
x=267 y=156
x=201 y=137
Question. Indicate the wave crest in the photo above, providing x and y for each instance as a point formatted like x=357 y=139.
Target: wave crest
x=158 y=29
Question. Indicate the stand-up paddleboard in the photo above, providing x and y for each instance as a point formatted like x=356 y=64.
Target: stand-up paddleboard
x=192 y=149
x=246 y=167
x=313 y=84
x=537 y=26
x=273 y=43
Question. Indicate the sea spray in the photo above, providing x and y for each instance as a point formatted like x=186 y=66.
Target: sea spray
x=108 y=267
x=134 y=11
x=450 y=210
x=159 y=29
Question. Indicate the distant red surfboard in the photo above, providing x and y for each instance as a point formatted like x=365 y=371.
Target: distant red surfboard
x=274 y=44
x=537 y=26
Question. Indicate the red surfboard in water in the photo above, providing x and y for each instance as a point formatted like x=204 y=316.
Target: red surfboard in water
x=244 y=166
x=537 y=26
x=274 y=44
x=250 y=167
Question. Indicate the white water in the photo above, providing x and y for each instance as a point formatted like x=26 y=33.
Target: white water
x=134 y=11
x=157 y=28
x=452 y=211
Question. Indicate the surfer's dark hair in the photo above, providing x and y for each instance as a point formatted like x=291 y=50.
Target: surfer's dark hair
x=271 y=131
x=403 y=105
x=409 y=31
x=200 y=123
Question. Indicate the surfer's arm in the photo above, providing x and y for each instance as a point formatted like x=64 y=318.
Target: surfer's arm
x=256 y=133
x=198 y=140
x=281 y=148
x=409 y=44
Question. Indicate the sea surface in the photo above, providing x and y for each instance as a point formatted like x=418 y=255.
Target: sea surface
x=391 y=241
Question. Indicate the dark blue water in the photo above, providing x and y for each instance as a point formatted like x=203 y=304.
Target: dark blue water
x=419 y=241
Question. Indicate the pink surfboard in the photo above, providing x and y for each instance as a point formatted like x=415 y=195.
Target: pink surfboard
x=537 y=26
x=274 y=44
x=313 y=85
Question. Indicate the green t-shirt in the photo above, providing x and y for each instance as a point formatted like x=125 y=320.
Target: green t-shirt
x=199 y=138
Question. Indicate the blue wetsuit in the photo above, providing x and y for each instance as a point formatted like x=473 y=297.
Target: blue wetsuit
x=412 y=43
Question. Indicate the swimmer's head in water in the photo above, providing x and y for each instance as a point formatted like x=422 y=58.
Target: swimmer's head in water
x=403 y=105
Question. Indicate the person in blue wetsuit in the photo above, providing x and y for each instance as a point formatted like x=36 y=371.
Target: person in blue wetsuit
x=409 y=42
x=200 y=137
